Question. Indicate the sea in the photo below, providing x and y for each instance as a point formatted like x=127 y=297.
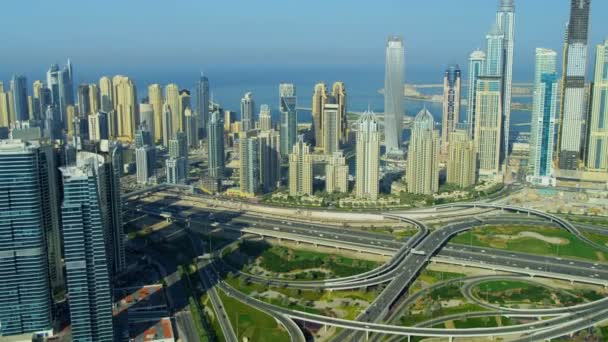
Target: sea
x=228 y=84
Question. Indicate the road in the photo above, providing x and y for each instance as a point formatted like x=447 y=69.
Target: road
x=407 y=269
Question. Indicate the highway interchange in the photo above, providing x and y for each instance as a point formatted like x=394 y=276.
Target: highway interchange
x=407 y=258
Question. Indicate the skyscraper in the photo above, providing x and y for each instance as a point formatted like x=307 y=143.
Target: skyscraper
x=289 y=116
x=145 y=155
x=488 y=125
x=125 y=107
x=84 y=100
x=98 y=126
x=573 y=89
x=88 y=278
x=270 y=159
x=190 y=128
x=5 y=117
x=505 y=19
x=167 y=124
x=93 y=98
x=331 y=126
x=185 y=101
x=147 y=115
x=172 y=99
x=215 y=145
x=111 y=199
x=597 y=125
x=19 y=91
x=300 y=169
x=60 y=84
x=422 y=174
x=24 y=290
x=367 y=182
x=265 y=118
x=462 y=159
x=247 y=112
x=106 y=101
x=249 y=155
x=202 y=98
x=339 y=94
x=319 y=98
x=336 y=173
x=451 y=105
x=544 y=112
x=177 y=164
x=155 y=98
x=393 y=94
x=39 y=101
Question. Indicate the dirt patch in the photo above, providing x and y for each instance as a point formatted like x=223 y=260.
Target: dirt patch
x=600 y=256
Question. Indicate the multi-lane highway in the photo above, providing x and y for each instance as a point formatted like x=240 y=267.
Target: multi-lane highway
x=412 y=256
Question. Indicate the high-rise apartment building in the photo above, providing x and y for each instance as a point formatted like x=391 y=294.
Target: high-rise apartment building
x=265 y=118
x=60 y=84
x=573 y=85
x=544 y=115
x=289 y=117
x=202 y=98
x=147 y=115
x=98 y=126
x=190 y=128
x=505 y=19
x=167 y=124
x=338 y=92
x=331 y=126
x=172 y=99
x=247 y=112
x=106 y=101
x=319 y=98
x=215 y=145
x=249 y=155
x=451 y=105
x=145 y=155
x=596 y=158
x=462 y=159
x=177 y=164
x=19 y=91
x=270 y=159
x=367 y=182
x=422 y=174
x=25 y=305
x=394 y=94
x=155 y=98
x=86 y=259
x=126 y=108
x=300 y=169
x=336 y=173
x=93 y=98
x=488 y=125
x=84 y=100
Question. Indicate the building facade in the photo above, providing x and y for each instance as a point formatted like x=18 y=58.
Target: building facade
x=422 y=174
x=394 y=94
x=300 y=169
x=336 y=174
x=544 y=116
x=215 y=145
x=367 y=182
x=451 y=104
x=289 y=116
x=247 y=112
x=596 y=158
x=462 y=159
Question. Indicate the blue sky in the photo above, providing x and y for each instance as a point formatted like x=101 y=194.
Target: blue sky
x=127 y=34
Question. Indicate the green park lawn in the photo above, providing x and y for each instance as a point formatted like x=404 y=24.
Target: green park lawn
x=523 y=292
x=279 y=259
x=252 y=323
x=494 y=237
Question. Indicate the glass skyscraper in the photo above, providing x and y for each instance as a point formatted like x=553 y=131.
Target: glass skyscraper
x=451 y=104
x=542 y=133
x=596 y=158
x=505 y=19
x=573 y=89
x=215 y=143
x=247 y=112
x=477 y=65
x=202 y=98
x=394 y=94
x=25 y=296
x=289 y=118
x=19 y=90
x=86 y=262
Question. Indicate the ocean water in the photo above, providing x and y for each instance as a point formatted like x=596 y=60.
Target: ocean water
x=229 y=84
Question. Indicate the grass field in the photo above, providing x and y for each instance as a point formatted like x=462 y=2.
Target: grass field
x=494 y=237
x=523 y=292
x=279 y=259
x=251 y=323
